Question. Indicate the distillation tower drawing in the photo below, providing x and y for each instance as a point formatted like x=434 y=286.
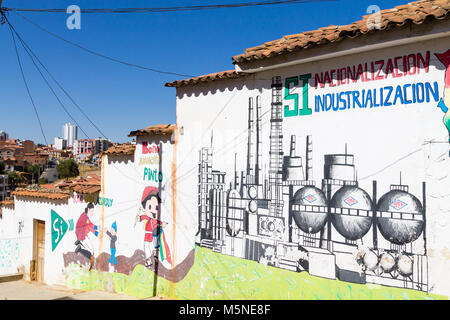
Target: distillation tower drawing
x=283 y=218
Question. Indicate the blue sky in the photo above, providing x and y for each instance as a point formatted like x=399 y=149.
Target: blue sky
x=119 y=98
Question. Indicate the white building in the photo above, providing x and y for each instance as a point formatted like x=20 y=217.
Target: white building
x=60 y=143
x=70 y=133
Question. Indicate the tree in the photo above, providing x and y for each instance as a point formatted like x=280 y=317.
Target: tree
x=2 y=168
x=14 y=179
x=35 y=171
x=42 y=181
x=67 y=169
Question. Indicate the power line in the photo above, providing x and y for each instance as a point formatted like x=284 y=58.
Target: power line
x=168 y=9
x=100 y=54
x=58 y=84
x=46 y=81
x=26 y=85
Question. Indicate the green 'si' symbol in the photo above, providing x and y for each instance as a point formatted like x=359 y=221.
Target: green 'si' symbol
x=59 y=229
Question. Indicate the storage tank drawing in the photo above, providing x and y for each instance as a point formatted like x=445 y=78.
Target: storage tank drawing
x=310 y=209
x=401 y=217
x=351 y=212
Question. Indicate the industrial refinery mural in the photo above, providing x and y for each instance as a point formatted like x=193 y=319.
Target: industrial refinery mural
x=331 y=228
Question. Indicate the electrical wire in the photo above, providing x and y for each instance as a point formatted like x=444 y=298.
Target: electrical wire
x=48 y=84
x=57 y=83
x=100 y=54
x=30 y=52
x=26 y=85
x=168 y=9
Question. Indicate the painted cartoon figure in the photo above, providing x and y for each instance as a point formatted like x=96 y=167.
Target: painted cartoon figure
x=84 y=231
x=444 y=103
x=154 y=235
x=112 y=233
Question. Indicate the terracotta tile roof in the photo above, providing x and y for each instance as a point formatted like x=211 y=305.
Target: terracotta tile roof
x=160 y=129
x=230 y=74
x=48 y=186
x=121 y=149
x=82 y=185
x=39 y=193
x=412 y=13
x=6 y=203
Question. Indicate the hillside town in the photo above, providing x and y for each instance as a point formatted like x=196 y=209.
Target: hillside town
x=26 y=164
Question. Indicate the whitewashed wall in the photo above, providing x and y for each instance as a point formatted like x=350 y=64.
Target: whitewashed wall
x=385 y=140
x=9 y=246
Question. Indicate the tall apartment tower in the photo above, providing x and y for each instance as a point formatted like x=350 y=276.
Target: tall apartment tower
x=70 y=133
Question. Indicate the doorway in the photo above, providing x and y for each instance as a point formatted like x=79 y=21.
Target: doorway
x=39 y=249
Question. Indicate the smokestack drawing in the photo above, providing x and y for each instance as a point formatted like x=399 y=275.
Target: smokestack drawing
x=250 y=155
x=309 y=155
x=292 y=152
x=292 y=166
x=258 y=141
x=276 y=149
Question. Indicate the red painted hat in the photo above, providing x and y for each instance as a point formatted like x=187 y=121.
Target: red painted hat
x=147 y=192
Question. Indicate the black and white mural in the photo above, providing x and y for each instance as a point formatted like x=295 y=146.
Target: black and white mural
x=280 y=216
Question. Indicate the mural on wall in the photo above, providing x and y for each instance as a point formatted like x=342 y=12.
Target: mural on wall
x=21 y=225
x=155 y=243
x=59 y=228
x=105 y=201
x=112 y=234
x=9 y=256
x=444 y=103
x=77 y=198
x=155 y=252
x=85 y=231
x=281 y=217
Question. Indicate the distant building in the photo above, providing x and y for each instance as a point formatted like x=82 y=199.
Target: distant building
x=83 y=148
x=28 y=146
x=60 y=143
x=11 y=151
x=3 y=135
x=101 y=145
x=59 y=154
x=36 y=159
x=70 y=133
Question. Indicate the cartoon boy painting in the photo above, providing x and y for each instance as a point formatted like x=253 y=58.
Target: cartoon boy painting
x=112 y=245
x=84 y=231
x=154 y=234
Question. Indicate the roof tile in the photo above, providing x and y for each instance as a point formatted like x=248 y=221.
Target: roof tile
x=161 y=129
x=230 y=74
x=416 y=12
x=121 y=149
